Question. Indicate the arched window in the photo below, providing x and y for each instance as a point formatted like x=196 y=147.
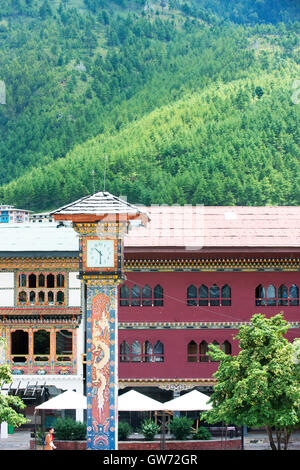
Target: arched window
x=136 y=352
x=203 y=352
x=60 y=297
x=32 y=280
x=147 y=296
x=41 y=298
x=64 y=345
x=22 y=297
x=32 y=297
x=191 y=295
x=214 y=295
x=192 y=352
x=147 y=352
x=283 y=295
x=41 y=345
x=135 y=296
x=226 y=295
x=50 y=296
x=203 y=295
x=260 y=295
x=124 y=296
x=226 y=347
x=22 y=280
x=158 y=296
x=124 y=352
x=271 y=295
x=159 y=352
x=50 y=281
x=19 y=345
x=294 y=295
x=60 y=280
x=41 y=280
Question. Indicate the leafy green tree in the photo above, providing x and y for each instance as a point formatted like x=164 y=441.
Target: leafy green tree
x=9 y=403
x=260 y=386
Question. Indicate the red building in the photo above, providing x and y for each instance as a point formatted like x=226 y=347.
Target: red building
x=194 y=275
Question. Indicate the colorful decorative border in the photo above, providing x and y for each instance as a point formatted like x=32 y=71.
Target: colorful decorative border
x=102 y=366
x=213 y=264
x=187 y=325
x=179 y=264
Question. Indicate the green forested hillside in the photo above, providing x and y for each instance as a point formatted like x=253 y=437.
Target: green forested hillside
x=189 y=104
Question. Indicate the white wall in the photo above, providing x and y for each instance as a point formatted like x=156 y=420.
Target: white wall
x=7 y=289
x=74 y=290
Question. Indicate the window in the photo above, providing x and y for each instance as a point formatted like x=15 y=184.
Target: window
x=147 y=296
x=19 y=346
x=203 y=295
x=124 y=296
x=147 y=352
x=41 y=280
x=64 y=345
x=192 y=351
x=286 y=296
x=226 y=295
x=204 y=356
x=209 y=296
x=135 y=296
x=192 y=296
x=226 y=347
x=22 y=280
x=41 y=297
x=203 y=352
x=142 y=352
x=124 y=352
x=60 y=280
x=60 y=297
x=282 y=295
x=158 y=296
x=50 y=281
x=32 y=297
x=294 y=295
x=158 y=352
x=50 y=297
x=136 y=352
x=41 y=345
x=32 y=280
x=271 y=295
x=260 y=295
x=22 y=297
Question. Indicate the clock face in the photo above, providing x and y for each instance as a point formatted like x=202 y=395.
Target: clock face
x=100 y=254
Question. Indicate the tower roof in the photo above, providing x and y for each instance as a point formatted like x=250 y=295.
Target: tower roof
x=96 y=206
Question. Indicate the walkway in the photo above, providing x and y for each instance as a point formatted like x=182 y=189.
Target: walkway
x=19 y=440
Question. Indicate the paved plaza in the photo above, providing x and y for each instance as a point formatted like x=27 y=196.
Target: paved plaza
x=19 y=440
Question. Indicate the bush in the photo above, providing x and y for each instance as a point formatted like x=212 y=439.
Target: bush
x=181 y=427
x=149 y=429
x=202 y=434
x=124 y=430
x=70 y=430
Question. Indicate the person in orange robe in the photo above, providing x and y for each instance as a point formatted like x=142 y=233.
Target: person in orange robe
x=49 y=440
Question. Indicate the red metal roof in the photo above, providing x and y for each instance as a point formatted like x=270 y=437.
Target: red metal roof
x=218 y=226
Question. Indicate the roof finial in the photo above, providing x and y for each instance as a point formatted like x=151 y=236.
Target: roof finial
x=104 y=173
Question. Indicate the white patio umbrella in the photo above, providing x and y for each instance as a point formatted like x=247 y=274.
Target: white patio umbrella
x=68 y=400
x=136 y=401
x=191 y=401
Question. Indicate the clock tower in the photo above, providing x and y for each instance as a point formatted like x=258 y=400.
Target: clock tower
x=101 y=221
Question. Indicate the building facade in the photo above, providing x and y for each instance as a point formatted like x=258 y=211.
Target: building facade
x=12 y=215
x=194 y=275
